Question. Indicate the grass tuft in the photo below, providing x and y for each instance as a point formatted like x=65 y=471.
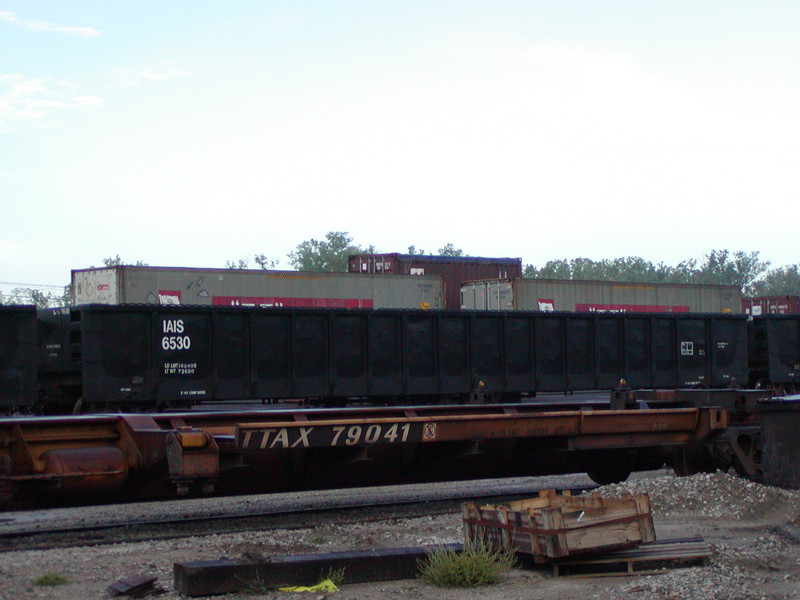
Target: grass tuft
x=317 y=537
x=475 y=565
x=335 y=575
x=51 y=579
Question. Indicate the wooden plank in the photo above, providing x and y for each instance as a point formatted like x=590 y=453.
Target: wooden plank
x=626 y=561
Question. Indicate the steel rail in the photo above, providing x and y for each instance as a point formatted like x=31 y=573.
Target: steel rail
x=355 y=508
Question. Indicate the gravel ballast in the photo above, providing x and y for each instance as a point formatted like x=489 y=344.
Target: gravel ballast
x=752 y=530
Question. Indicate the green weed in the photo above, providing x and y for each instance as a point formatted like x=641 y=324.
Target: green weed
x=335 y=575
x=475 y=565
x=51 y=579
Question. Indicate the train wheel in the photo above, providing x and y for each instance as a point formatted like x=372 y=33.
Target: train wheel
x=691 y=460
x=609 y=475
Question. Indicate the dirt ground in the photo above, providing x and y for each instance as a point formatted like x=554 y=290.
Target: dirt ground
x=753 y=531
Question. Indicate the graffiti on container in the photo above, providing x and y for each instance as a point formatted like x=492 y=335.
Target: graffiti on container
x=169 y=296
x=280 y=301
x=547 y=304
x=626 y=308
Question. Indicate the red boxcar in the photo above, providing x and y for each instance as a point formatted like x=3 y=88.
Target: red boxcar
x=454 y=270
x=771 y=305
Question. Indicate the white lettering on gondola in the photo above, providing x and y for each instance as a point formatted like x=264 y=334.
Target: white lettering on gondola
x=174 y=342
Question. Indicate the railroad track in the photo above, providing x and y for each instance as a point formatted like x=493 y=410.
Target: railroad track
x=287 y=512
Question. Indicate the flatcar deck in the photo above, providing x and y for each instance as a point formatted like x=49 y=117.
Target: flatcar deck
x=49 y=459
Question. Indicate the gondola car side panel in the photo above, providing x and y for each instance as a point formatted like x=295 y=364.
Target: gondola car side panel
x=113 y=351
x=18 y=356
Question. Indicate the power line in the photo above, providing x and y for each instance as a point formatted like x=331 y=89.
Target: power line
x=34 y=285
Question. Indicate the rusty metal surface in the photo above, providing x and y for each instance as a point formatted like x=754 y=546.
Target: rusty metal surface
x=193 y=459
x=741 y=404
x=101 y=454
x=679 y=425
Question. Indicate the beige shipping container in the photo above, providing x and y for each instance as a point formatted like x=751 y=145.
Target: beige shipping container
x=599 y=296
x=253 y=287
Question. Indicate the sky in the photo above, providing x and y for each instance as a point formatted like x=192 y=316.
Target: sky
x=195 y=133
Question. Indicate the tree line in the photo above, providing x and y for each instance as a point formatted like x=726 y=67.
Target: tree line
x=744 y=270
x=739 y=268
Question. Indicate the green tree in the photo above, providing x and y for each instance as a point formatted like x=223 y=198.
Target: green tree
x=637 y=269
x=721 y=267
x=781 y=281
x=112 y=261
x=28 y=295
x=116 y=261
x=262 y=260
x=449 y=249
x=242 y=263
x=66 y=295
x=330 y=254
x=552 y=269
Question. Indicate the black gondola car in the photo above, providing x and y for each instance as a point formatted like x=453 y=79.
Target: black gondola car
x=176 y=355
x=774 y=352
x=18 y=356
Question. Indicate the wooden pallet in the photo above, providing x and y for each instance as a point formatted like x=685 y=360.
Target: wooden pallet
x=647 y=559
x=559 y=525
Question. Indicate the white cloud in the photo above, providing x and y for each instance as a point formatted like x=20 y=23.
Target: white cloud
x=88 y=100
x=30 y=99
x=157 y=75
x=33 y=25
x=153 y=76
